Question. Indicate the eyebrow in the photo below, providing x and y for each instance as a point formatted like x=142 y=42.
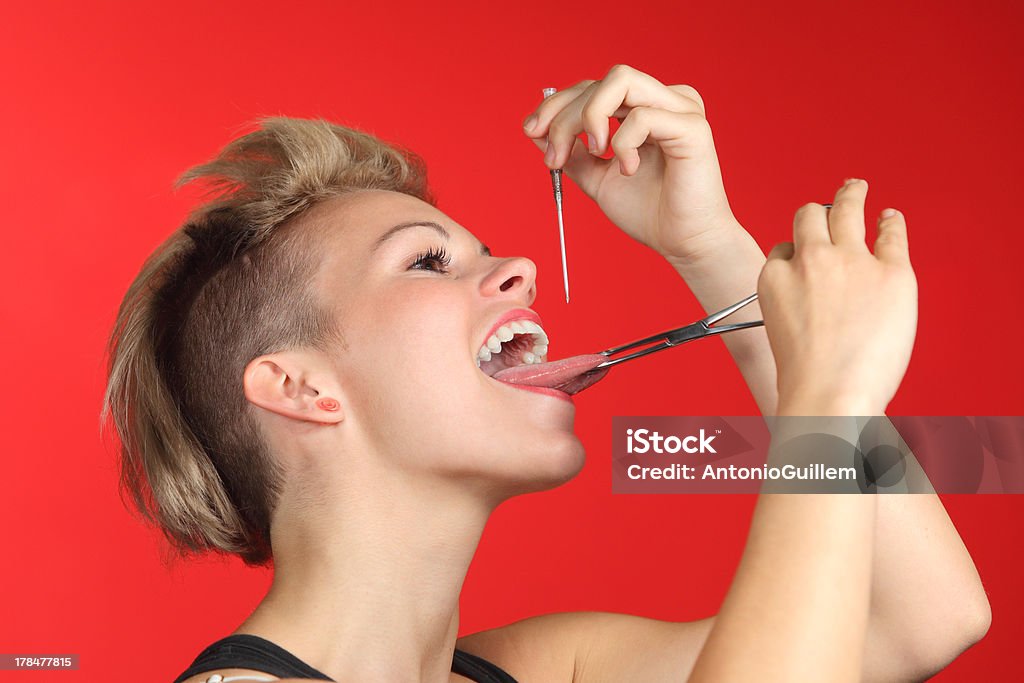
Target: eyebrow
x=436 y=227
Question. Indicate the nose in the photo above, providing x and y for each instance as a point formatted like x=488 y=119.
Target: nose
x=514 y=278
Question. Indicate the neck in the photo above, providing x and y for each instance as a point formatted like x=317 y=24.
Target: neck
x=366 y=585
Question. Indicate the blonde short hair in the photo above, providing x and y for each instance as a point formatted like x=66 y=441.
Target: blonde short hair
x=231 y=284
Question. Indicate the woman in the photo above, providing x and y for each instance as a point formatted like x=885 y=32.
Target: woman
x=304 y=373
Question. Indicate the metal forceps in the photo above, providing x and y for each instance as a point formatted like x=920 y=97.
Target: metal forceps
x=666 y=340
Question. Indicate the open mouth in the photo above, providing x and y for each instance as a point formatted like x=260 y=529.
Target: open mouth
x=516 y=353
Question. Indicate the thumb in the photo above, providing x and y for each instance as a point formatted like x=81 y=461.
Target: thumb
x=585 y=169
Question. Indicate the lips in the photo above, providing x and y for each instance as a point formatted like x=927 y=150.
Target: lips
x=569 y=375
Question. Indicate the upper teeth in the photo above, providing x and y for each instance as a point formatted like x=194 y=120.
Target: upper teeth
x=504 y=333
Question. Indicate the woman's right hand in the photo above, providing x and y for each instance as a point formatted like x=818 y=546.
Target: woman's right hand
x=840 y=320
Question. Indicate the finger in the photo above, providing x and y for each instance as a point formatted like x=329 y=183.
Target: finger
x=585 y=169
x=691 y=92
x=783 y=251
x=891 y=245
x=564 y=127
x=536 y=124
x=568 y=124
x=678 y=135
x=846 y=219
x=623 y=88
x=626 y=87
x=810 y=225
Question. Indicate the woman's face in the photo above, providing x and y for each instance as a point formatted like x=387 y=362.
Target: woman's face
x=416 y=297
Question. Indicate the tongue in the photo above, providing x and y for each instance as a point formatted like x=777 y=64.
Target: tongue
x=569 y=374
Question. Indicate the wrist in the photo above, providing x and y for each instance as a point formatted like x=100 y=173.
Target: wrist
x=711 y=246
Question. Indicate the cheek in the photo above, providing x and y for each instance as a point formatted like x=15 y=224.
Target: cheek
x=411 y=363
x=409 y=330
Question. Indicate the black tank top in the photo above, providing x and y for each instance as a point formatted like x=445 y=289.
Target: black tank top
x=246 y=651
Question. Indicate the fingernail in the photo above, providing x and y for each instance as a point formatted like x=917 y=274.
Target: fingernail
x=591 y=144
x=889 y=213
x=549 y=155
x=850 y=180
x=530 y=123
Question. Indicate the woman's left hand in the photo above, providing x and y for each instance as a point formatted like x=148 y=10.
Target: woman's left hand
x=664 y=185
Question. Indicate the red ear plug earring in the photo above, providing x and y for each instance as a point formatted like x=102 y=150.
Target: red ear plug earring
x=327 y=404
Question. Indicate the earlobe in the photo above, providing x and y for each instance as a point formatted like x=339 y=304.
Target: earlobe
x=292 y=385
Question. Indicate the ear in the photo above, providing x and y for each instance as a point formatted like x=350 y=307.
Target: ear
x=294 y=384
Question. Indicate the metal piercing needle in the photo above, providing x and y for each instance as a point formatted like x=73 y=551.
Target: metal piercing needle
x=556 y=186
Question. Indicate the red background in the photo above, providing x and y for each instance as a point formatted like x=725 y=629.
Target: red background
x=105 y=106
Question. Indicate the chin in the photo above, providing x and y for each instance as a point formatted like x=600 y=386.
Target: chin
x=555 y=464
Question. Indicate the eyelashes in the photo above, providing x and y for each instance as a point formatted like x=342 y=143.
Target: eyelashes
x=435 y=256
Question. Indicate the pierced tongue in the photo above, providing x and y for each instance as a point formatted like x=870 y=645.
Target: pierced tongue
x=569 y=374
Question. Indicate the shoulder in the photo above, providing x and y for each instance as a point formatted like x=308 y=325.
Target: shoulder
x=591 y=647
